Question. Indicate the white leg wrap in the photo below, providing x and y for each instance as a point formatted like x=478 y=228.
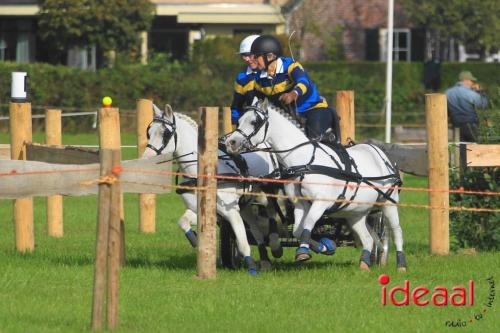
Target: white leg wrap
x=359 y=227
x=187 y=219
x=392 y=217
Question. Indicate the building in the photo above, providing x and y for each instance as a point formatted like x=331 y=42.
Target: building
x=359 y=28
x=176 y=25
x=324 y=30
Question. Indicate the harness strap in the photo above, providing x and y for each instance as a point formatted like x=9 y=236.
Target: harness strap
x=238 y=160
x=294 y=171
x=301 y=170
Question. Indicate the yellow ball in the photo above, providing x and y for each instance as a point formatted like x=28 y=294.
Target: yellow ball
x=107 y=101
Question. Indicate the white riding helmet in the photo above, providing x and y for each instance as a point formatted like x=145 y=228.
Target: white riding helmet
x=246 y=43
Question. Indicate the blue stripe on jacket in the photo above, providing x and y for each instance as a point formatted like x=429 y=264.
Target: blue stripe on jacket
x=243 y=93
x=289 y=75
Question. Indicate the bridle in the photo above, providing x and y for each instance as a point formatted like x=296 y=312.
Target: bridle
x=262 y=120
x=167 y=134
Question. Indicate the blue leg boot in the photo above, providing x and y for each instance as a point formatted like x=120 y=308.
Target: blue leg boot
x=364 y=261
x=192 y=238
x=400 y=261
x=252 y=266
x=329 y=245
x=325 y=246
x=303 y=253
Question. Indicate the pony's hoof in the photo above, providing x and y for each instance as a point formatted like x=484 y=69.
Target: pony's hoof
x=252 y=266
x=364 y=261
x=401 y=261
x=363 y=266
x=265 y=265
x=329 y=245
x=192 y=238
x=275 y=244
x=302 y=254
x=277 y=253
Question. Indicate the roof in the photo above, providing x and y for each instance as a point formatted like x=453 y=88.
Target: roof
x=19 y=8
x=241 y=13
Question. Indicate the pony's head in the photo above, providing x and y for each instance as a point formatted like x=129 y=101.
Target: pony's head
x=161 y=133
x=252 y=129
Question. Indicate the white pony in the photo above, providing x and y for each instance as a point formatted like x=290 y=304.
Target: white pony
x=316 y=164
x=175 y=135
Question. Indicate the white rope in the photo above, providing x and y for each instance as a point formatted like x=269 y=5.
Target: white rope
x=64 y=114
x=96 y=146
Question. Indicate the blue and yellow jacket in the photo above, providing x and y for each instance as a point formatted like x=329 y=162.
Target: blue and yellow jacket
x=243 y=93
x=289 y=75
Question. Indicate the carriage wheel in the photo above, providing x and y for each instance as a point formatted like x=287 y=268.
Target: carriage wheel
x=381 y=237
x=230 y=257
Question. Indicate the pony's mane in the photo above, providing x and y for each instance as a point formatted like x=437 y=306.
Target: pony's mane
x=287 y=116
x=187 y=118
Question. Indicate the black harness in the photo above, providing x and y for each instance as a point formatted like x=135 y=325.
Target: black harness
x=167 y=133
x=349 y=172
x=262 y=120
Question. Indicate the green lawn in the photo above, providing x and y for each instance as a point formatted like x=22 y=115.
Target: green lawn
x=50 y=290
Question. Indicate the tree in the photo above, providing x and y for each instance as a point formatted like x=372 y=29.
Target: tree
x=108 y=24
x=473 y=23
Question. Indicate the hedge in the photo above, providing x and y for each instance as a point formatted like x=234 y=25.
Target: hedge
x=186 y=86
x=480 y=230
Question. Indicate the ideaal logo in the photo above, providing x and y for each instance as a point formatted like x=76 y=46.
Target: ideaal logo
x=438 y=296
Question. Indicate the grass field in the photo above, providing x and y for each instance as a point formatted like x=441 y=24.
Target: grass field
x=50 y=290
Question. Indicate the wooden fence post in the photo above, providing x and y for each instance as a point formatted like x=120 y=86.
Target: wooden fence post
x=226 y=120
x=107 y=262
x=20 y=134
x=207 y=183
x=115 y=244
x=147 y=201
x=345 y=110
x=101 y=252
x=53 y=136
x=437 y=147
x=456 y=148
x=109 y=138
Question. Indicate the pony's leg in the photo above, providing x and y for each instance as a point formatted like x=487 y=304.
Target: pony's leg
x=299 y=212
x=189 y=218
x=227 y=207
x=234 y=218
x=359 y=226
x=254 y=222
x=313 y=214
x=392 y=216
x=185 y=222
x=274 y=238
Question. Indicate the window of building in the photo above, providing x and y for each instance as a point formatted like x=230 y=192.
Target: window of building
x=401 y=48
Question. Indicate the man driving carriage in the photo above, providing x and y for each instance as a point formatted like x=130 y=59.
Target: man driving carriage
x=285 y=82
x=245 y=80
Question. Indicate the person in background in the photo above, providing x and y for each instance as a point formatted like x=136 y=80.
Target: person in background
x=245 y=80
x=432 y=74
x=463 y=100
x=284 y=81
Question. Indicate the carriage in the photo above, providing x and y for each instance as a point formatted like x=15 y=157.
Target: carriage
x=333 y=228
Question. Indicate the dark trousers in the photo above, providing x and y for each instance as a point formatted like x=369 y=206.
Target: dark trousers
x=319 y=120
x=468 y=132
